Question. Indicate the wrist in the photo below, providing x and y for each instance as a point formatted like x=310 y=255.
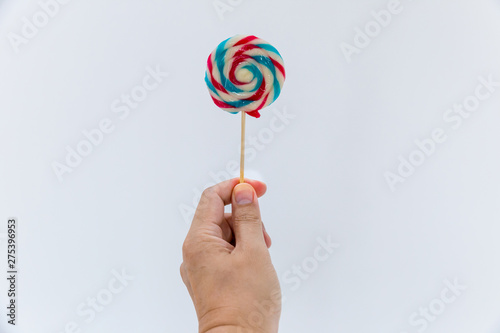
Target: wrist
x=234 y=329
x=227 y=320
x=226 y=329
x=222 y=320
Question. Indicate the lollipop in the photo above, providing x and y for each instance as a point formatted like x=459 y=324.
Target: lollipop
x=244 y=73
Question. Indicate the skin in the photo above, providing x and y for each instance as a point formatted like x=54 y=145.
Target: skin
x=227 y=267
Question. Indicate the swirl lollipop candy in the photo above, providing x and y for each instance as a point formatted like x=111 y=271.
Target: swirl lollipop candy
x=244 y=73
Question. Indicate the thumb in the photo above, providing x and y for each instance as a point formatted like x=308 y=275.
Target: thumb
x=247 y=223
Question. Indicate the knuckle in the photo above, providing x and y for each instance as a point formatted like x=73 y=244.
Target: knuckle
x=187 y=249
x=192 y=253
x=247 y=218
x=207 y=196
x=208 y=192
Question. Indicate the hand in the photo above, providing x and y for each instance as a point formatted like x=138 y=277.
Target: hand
x=227 y=267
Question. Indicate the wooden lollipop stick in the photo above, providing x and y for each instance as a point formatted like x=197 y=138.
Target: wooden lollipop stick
x=242 y=157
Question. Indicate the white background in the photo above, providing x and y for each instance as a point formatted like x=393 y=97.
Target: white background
x=121 y=207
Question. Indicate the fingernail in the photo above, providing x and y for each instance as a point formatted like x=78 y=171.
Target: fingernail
x=243 y=194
